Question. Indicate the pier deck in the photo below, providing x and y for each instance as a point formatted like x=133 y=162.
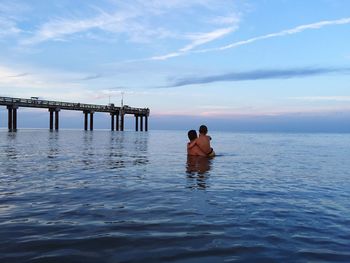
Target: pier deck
x=54 y=107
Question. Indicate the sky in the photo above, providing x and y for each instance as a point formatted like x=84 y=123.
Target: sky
x=236 y=64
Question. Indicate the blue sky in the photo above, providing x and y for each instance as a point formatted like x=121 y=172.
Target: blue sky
x=202 y=58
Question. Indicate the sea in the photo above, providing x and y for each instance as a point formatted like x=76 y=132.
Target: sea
x=103 y=196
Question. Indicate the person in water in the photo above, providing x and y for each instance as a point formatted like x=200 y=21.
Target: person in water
x=203 y=142
x=192 y=148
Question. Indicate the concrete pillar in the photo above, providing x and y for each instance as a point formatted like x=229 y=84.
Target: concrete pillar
x=141 y=123
x=91 y=120
x=57 y=121
x=10 y=122
x=51 y=119
x=136 y=122
x=117 y=121
x=112 y=121
x=85 y=120
x=14 y=119
x=54 y=114
x=146 y=123
x=122 y=121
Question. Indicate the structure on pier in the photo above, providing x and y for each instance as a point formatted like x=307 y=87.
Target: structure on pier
x=54 y=107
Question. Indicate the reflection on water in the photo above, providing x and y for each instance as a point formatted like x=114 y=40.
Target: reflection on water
x=11 y=147
x=53 y=151
x=125 y=151
x=198 y=164
x=197 y=168
x=87 y=153
x=92 y=150
x=10 y=153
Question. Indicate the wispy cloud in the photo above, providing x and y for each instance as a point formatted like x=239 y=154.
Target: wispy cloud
x=11 y=12
x=59 y=28
x=116 y=95
x=10 y=7
x=323 y=98
x=230 y=19
x=126 y=20
x=291 y=31
x=259 y=75
x=91 y=77
x=19 y=75
x=24 y=81
x=8 y=27
x=197 y=40
x=139 y=21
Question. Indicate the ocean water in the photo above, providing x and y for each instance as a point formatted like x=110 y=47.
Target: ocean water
x=102 y=196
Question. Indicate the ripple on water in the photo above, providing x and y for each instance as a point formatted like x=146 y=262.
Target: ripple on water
x=99 y=196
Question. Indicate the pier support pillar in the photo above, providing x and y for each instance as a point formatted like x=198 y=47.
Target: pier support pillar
x=122 y=121
x=136 y=123
x=91 y=121
x=117 y=122
x=85 y=120
x=57 y=120
x=141 y=123
x=54 y=114
x=146 y=123
x=14 y=119
x=51 y=119
x=112 y=121
x=10 y=121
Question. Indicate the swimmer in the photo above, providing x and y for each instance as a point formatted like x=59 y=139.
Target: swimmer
x=203 y=141
x=192 y=148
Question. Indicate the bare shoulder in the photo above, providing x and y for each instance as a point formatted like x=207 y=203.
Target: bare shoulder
x=201 y=138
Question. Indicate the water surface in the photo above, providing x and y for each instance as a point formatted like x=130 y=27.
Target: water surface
x=101 y=196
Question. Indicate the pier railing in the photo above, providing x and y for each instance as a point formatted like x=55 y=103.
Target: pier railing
x=54 y=107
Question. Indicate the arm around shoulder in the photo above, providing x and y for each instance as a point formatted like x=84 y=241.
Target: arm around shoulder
x=192 y=144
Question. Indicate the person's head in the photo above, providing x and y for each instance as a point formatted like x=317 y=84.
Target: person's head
x=192 y=135
x=203 y=129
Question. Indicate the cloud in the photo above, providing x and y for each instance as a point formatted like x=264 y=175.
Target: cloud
x=11 y=8
x=27 y=81
x=226 y=20
x=157 y=7
x=200 y=39
x=57 y=29
x=323 y=98
x=8 y=27
x=19 y=78
x=143 y=22
x=8 y=23
x=19 y=75
x=124 y=21
x=139 y=21
x=291 y=31
x=197 y=40
x=11 y=13
x=91 y=77
x=259 y=75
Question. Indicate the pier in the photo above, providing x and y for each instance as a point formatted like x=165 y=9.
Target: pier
x=54 y=107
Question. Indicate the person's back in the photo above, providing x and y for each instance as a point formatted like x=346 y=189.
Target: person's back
x=192 y=148
x=203 y=140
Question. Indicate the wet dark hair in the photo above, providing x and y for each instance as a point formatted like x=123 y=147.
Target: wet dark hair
x=203 y=129
x=192 y=134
